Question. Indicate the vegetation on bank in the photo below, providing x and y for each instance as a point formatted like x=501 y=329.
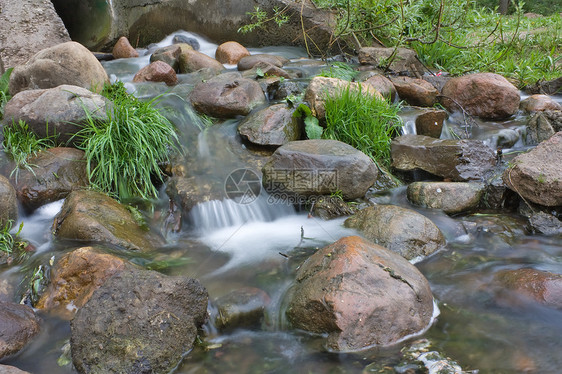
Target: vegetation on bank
x=4 y=90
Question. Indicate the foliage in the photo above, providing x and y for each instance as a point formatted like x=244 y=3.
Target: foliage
x=339 y=70
x=312 y=128
x=544 y=7
x=259 y=18
x=20 y=143
x=4 y=90
x=363 y=121
x=8 y=241
x=124 y=152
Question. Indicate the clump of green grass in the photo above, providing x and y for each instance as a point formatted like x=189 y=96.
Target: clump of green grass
x=123 y=153
x=339 y=70
x=363 y=121
x=20 y=143
x=8 y=241
x=4 y=90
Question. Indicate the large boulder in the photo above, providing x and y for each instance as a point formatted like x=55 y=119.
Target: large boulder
x=361 y=295
x=272 y=126
x=75 y=277
x=26 y=27
x=486 y=95
x=95 y=217
x=55 y=173
x=8 y=202
x=227 y=95
x=60 y=111
x=451 y=197
x=138 y=321
x=537 y=175
x=532 y=284
x=18 y=325
x=458 y=160
x=319 y=167
x=405 y=60
x=401 y=230
x=67 y=63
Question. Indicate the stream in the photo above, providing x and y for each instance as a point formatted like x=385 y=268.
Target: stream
x=228 y=246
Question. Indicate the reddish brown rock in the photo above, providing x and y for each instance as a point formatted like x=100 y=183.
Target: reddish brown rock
x=170 y=55
x=158 y=71
x=539 y=103
x=18 y=325
x=383 y=85
x=361 y=295
x=230 y=52
x=415 y=91
x=124 y=49
x=430 y=123
x=541 y=286
x=486 y=95
x=191 y=61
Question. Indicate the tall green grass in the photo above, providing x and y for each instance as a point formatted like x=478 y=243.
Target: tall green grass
x=363 y=121
x=4 y=90
x=124 y=153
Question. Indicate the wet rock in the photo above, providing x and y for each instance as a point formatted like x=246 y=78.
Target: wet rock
x=191 y=61
x=55 y=173
x=241 y=308
x=486 y=95
x=8 y=202
x=546 y=224
x=158 y=71
x=403 y=231
x=361 y=295
x=537 y=175
x=26 y=27
x=18 y=325
x=93 y=216
x=67 y=63
x=272 y=126
x=458 y=160
x=543 y=125
x=329 y=207
x=75 y=277
x=227 y=95
x=319 y=167
x=188 y=192
x=138 y=321
x=383 y=85
x=539 y=103
x=497 y=195
x=541 y=286
x=6 y=369
x=320 y=88
x=451 y=197
x=124 y=49
x=61 y=110
x=404 y=61
x=430 y=123
x=287 y=89
x=184 y=39
x=231 y=53
x=416 y=92
x=265 y=70
x=552 y=87
x=170 y=55
x=248 y=62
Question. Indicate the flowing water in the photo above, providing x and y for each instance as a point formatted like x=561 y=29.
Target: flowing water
x=228 y=246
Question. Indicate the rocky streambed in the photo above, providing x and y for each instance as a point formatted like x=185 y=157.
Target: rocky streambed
x=458 y=269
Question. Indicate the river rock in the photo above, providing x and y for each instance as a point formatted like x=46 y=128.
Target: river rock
x=319 y=167
x=329 y=207
x=55 y=173
x=241 y=308
x=539 y=103
x=8 y=202
x=361 y=295
x=551 y=87
x=227 y=95
x=61 y=110
x=541 y=286
x=248 y=62
x=415 y=91
x=430 y=123
x=320 y=88
x=403 y=231
x=138 y=321
x=124 y=49
x=383 y=85
x=68 y=63
x=271 y=126
x=404 y=61
x=537 y=175
x=486 y=95
x=7 y=369
x=230 y=52
x=26 y=27
x=458 y=160
x=157 y=71
x=191 y=61
x=545 y=223
x=263 y=71
x=75 y=277
x=170 y=55
x=184 y=39
x=18 y=326
x=189 y=191
x=451 y=197
x=93 y=216
x=542 y=125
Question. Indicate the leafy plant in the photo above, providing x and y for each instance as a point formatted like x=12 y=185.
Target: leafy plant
x=4 y=90
x=312 y=128
x=8 y=241
x=363 y=121
x=123 y=153
x=259 y=18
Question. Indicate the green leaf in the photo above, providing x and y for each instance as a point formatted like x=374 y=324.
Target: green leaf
x=302 y=111
x=312 y=128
